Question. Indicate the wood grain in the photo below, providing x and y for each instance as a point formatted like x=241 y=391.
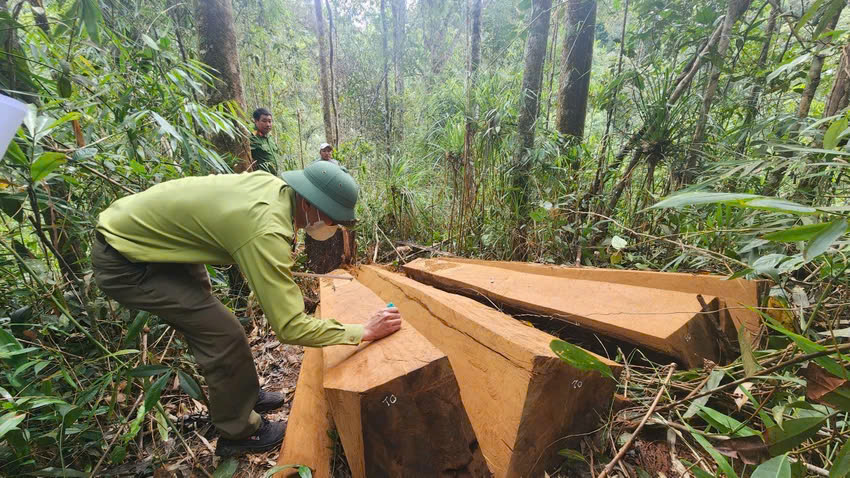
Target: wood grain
x=523 y=401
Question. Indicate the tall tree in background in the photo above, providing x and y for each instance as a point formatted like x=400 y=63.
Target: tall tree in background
x=324 y=76
x=532 y=78
x=827 y=24
x=576 y=62
x=399 y=10
x=218 y=49
x=734 y=10
x=386 y=79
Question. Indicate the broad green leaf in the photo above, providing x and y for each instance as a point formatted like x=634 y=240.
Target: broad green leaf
x=74 y=115
x=10 y=344
x=579 y=358
x=17 y=154
x=713 y=381
x=724 y=423
x=148 y=370
x=696 y=470
x=830 y=138
x=154 y=391
x=226 y=468
x=778 y=205
x=692 y=199
x=841 y=462
x=832 y=9
x=777 y=467
x=809 y=347
x=792 y=433
x=136 y=327
x=150 y=43
x=618 y=242
x=722 y=464
x=91 y=16
x=166 y=126
x=303 y=471
x=191 y=387
x=45 y=164
x=799 y=233
x=808 y=15
x=789 y=66
x=821 y=242
x=9 y=422
x=572 y=455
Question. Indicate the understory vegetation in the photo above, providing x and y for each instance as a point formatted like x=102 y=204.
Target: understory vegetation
x=714 y=140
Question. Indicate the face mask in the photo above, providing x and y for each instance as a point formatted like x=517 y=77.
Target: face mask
x=319 y=230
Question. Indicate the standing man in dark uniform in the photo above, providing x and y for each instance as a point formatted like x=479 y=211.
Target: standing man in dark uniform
x=263 y=150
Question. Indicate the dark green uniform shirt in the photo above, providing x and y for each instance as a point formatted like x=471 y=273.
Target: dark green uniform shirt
x=264 y=152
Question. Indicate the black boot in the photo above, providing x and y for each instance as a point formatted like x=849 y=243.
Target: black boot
x=268 y=436
x=268 y=401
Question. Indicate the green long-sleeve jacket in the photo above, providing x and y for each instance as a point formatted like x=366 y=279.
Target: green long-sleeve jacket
x=264 y=152
x=243 y=219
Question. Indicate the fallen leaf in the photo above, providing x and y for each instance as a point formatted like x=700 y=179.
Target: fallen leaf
x=740 y=397
x=819 y=382
x=752 y=450
x=779 y=310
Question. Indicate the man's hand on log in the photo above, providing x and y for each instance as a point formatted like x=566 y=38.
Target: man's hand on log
x=383 y=323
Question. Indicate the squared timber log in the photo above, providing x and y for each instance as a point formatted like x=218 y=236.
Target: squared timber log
x=740 y=295
x=666 y=321
x=307 y=441
x=522 y=399
x=395 y=401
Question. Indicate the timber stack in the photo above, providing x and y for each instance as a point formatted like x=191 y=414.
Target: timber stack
x=466 y=390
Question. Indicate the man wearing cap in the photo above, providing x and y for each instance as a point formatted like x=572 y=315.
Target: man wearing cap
x=264 y=152
x=326 y=152
x=149 y=253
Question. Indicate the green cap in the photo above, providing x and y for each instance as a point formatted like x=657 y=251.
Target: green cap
x=328 y=187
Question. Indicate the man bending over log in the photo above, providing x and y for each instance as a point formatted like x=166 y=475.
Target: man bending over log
x=149 y=253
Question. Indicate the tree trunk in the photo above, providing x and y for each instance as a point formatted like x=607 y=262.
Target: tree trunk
x=838 y=96
x=470 y=190
x=218 y=49
x=734 y=10
x=775 y=177
x=15 y=74
x=324 y=82
x=332 y=68
x=399 y=11
x=755 y=93
x=217 y=38
x=385 y=54
x=576 y=61
x=532 y=77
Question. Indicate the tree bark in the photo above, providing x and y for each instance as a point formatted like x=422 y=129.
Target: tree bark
x=324 y=82
x=755 y=93
x=470 y=190
x=385 y=53
x=838 y=96
x=576 y=62
x=399 y=11
x=532 y=77
x=332 y=68
x=217 y=38
x=734 y=10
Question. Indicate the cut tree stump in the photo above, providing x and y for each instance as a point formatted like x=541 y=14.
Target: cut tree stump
x=325 y=256
x=740 y=295
x=670 y=322
x=395 y=401
x=307 y=441
x=524 y=402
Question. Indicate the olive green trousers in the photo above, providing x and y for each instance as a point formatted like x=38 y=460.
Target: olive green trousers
x=181 y=295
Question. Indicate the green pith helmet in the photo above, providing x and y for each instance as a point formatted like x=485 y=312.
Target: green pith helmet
x=328 y=187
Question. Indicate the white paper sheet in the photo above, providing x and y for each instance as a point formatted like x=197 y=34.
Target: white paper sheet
x=12 y=114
